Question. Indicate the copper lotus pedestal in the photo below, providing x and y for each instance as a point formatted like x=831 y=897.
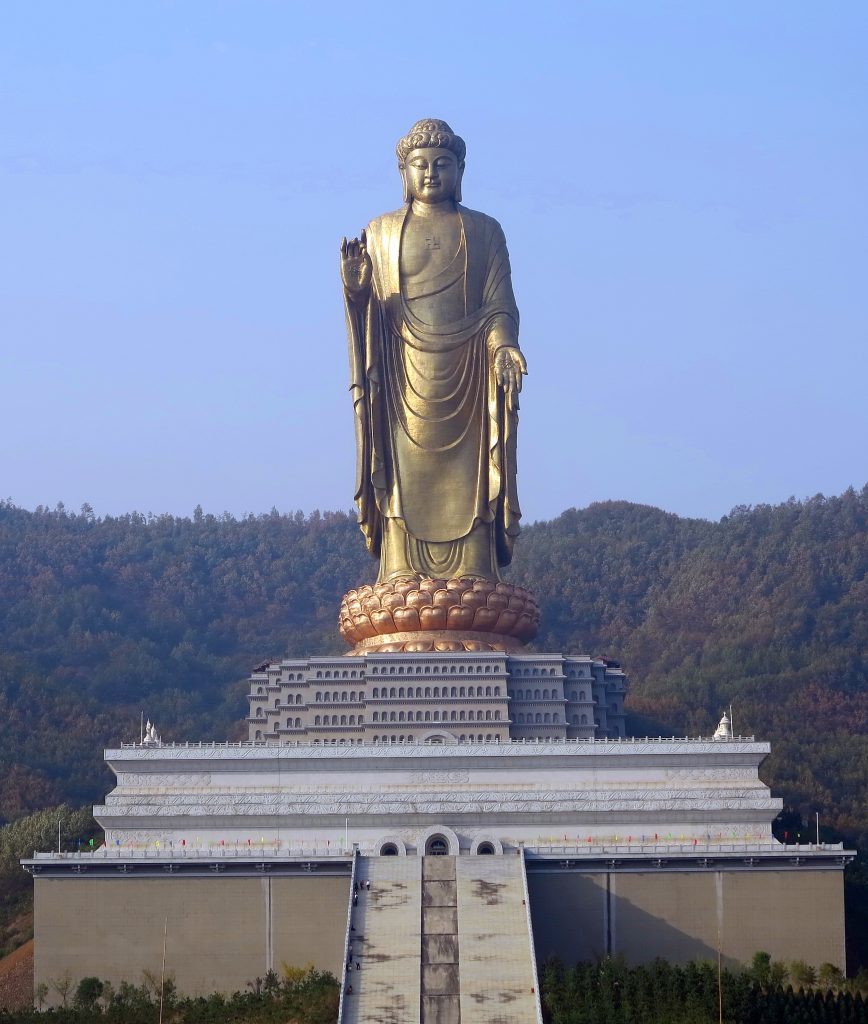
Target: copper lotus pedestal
x=419 y=616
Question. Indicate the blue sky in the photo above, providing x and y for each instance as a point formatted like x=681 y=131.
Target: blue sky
x=682 y=186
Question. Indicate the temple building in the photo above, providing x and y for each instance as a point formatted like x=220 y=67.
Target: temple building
x=468 y=698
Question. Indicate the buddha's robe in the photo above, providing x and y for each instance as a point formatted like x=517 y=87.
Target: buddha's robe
x=435 y=441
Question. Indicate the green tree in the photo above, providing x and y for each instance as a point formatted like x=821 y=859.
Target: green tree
x=88 y=993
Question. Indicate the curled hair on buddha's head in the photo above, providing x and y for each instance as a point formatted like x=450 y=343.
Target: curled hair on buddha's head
x=431 y=133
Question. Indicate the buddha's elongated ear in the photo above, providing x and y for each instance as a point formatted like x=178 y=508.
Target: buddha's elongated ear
x=458 y=182
x=403 y=170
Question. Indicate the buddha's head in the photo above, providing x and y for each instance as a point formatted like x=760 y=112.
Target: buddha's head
x=431 y=161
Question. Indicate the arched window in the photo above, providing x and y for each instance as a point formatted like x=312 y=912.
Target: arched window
x=436 y=691
x=556 y=717
x=418 y=716
x=400 y=691
x=547 y=718
x=298 y=723
x=575 y=719
x=317 y=720
x=452 y=716
x=427 y=716
x=471 y=691
x=335 y=696
x=461 y=716
x=376 y=716
x=436 y=716
x=485 y=849
x=260 y=712
x=392 y=692
x=539 y=718
x=487 y=691
x=487 y=716
x=461 y=692
x=437 y=846
x=400 y=716
x=427 y=691
x=497 y=716
x=536 y=695
x=453 y=692
x=392 y=718
x=258 y=735
x=343 y=719
x=584 y=719
x=497 y=691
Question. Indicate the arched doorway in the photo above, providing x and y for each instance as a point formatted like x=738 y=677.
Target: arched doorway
x=389 y=850
x=437 y=846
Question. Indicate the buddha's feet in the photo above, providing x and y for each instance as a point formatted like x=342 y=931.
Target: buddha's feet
x=438 y=615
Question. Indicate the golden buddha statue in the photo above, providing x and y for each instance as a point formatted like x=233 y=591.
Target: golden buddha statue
x=435 y=374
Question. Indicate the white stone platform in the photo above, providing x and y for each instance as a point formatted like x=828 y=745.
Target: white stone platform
x=583 y=795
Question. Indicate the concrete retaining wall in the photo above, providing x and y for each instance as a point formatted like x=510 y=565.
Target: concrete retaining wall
x=225 y=931
x=793 y=915
x=222 y=932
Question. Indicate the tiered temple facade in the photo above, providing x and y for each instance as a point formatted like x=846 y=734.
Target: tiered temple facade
x=430 y=698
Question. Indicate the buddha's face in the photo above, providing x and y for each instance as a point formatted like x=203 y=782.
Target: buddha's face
x=432 y=175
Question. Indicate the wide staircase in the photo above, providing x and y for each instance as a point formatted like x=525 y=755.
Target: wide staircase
x=440 y=940
x=498 y=979
x=385 y=943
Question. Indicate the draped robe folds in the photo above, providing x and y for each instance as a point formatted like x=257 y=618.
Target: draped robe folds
x=435 y=440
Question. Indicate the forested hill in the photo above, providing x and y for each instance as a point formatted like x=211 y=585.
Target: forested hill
x=767 y=610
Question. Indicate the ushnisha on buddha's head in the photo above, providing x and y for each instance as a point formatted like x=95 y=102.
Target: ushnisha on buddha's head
x=431 y=162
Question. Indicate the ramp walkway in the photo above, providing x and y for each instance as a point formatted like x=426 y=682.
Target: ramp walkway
x=386 y=942
x=440 y=940
x=498 y=975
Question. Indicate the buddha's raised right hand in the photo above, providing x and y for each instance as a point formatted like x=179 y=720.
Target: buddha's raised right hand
x=356 y=267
